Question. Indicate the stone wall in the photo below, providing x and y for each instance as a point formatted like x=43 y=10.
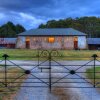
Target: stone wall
x=61 y=42
x=82 y=42
x=42 y=42
x=21 y=42
x=68 y=42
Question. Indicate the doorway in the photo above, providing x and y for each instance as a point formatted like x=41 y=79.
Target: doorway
x=75 y=43
x=28 y=43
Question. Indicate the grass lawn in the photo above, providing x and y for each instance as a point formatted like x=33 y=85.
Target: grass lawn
x=12 y=73
x=90 y=74
x=71 y=54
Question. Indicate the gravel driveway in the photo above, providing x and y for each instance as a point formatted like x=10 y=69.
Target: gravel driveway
x=39 y=93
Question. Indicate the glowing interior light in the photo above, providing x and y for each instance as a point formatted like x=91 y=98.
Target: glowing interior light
x=75 y=39
x=51 y=39
x=27 y=39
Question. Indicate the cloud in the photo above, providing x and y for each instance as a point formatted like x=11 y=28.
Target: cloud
x=31 y=13
x=2 y=15
x=23 y=4
x=27 y=20
x=30 y=20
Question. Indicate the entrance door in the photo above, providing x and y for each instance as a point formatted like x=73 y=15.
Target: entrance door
x=75 y=43
x=27 y=44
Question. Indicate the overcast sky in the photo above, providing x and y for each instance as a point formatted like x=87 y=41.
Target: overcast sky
x=31 y=13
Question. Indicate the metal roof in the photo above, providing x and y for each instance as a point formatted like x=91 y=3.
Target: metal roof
x=53 y=32
x=8 y=40
x=93 y=41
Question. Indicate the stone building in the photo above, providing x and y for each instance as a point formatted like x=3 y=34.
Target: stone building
x=52 y=38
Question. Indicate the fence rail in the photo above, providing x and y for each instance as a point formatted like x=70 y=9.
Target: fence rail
x=47 y=71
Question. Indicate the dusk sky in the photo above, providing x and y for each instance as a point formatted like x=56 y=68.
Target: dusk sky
x=31 y=13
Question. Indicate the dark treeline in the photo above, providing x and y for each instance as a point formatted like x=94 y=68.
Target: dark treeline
x=88 y=25
x=11 y=30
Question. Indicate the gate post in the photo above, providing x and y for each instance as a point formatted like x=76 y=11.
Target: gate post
x=5 y=56
x=50 y=71
x=38 y=55
x=94 y=59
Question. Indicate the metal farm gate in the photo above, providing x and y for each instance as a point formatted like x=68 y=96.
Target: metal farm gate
x=48 y=69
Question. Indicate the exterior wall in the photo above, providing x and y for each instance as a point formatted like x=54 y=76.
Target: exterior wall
x=82 y=42
x=42 y=42
x=56 y=45
x=35 y=42
x=94 y=47
x=59 y=43
x=21 y=42
x=66 y=42
x=7 y=45
x=10 y=45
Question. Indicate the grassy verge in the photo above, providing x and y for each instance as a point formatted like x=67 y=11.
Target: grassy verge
x=90 y=75
x=71 y=54
x=7 y=93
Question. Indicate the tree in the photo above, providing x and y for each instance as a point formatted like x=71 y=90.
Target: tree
x=19 y=29
x=88 y=25
x=10 y=30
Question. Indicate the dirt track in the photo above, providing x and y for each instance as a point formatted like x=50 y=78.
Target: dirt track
x=31 y=93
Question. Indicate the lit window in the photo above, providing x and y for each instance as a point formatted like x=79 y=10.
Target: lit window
x=51 y=39
x=27 y=39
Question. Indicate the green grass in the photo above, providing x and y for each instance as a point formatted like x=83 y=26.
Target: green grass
x=12 y=74
x=90 y=75
x=71 y=54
